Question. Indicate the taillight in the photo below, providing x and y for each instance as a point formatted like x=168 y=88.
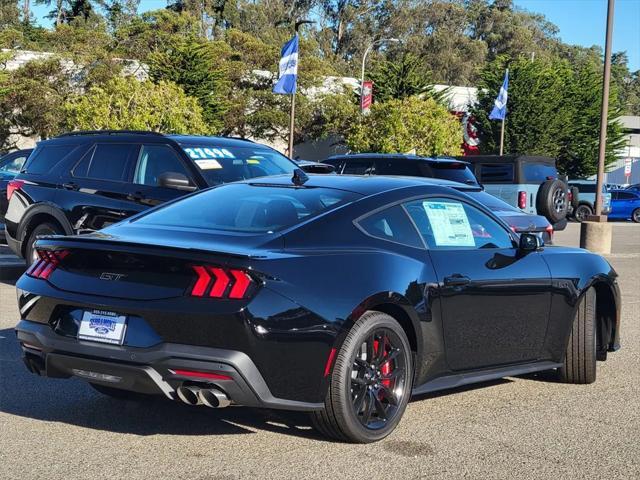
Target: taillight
x=217 y=282
x=522 y=200
x=47 y=263
x=549 y=230
x=12 y=186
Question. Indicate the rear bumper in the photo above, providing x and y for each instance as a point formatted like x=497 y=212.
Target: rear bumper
x=147 y=370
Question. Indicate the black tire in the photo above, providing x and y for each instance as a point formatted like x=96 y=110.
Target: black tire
x=581 y=213
x=120 y=394
x=39 y=231
x=580 y=359
x=341 y=419
x=552 y=200
x=635 y=215
x=575 y=197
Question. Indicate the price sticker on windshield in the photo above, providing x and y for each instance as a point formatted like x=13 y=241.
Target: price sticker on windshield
x=449 y=223
x=205 y=153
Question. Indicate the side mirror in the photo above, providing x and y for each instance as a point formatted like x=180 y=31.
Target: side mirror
x=530 y=242
x=175 y=180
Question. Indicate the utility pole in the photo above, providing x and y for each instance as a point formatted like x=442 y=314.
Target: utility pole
x=604 y=114
x=596 y=232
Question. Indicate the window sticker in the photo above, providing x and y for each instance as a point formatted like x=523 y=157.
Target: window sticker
x=208 y=164
x=449 y=224
x=205 y=153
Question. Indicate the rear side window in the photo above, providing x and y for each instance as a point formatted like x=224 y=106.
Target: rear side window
x=584 y=187
x=357 y=167
x=391 y=224
x=108 y=161
x=496 y=173
x=456 y=172
x=46 y=157
x=248 y=208
x=398 y=167
x=538 y=172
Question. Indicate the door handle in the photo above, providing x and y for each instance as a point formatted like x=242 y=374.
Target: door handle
x=70 y=186
x=456 y=280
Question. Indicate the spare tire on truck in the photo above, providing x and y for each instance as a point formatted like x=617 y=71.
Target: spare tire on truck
x=552 y=200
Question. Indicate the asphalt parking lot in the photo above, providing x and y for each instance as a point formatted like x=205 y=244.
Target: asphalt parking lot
x=524 y=427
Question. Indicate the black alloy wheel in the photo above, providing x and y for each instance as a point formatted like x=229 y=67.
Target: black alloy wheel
x=370 y=383
x=377 y=379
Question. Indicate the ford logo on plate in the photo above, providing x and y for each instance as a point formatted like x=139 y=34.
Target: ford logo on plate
x=101 y=330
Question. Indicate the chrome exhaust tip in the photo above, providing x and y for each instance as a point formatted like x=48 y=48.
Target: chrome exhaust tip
x=213 y=398
x=189 y=395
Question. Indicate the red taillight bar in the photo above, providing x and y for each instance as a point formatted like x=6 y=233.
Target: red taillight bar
x=12 y=186
x=216 y=281
x=48 y=262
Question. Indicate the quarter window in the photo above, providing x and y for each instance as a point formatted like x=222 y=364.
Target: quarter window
x=391 y=224
x=155 y=160
x=107 y=162
x=46 y=157
x=451 y=224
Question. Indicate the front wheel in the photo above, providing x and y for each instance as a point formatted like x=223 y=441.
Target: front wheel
x=371 y=381
x=580 y=359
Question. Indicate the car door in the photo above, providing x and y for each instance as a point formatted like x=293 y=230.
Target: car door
x=495 y=300
x=153 y=161
x=95 y=193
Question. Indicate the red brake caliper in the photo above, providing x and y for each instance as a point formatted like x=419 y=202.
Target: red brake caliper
x=386 y=367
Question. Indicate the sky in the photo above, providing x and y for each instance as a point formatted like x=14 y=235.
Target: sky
x=581 y=22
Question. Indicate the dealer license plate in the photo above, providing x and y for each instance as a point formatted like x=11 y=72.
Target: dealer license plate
x=102 y=326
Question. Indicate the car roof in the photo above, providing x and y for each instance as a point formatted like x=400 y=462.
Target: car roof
x=508 y=159
x=364 y=185
x=114 y=135
x=399 y=156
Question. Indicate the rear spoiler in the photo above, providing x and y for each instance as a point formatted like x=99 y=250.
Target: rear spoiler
x=84 y=241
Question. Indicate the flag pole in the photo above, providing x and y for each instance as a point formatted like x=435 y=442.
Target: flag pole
x=292 y=123
x=502 y=138
x=502 y=127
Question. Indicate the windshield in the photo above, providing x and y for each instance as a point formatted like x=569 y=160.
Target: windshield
x=248 y=208
x=230 y=164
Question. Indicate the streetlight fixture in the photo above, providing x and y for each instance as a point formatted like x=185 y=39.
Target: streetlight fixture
x=364 y=59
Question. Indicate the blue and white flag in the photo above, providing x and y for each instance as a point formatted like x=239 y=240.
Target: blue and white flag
x=499 y=111
x=288 y=68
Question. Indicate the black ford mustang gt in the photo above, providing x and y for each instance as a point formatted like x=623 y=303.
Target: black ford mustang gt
x=336 y=295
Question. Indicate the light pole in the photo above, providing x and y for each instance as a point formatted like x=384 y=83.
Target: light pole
x=364 y=59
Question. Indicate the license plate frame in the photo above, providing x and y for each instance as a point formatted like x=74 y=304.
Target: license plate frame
x=102 y=326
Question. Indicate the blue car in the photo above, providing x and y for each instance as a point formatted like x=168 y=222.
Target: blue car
x=625 y=204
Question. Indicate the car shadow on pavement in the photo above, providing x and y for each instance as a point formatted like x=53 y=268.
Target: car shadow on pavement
x=74 y=402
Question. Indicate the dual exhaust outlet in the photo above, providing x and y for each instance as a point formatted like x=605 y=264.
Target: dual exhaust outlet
x=210 y=397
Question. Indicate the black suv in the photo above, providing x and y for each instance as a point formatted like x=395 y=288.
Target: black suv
x=84 y=181
x=403 y=165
